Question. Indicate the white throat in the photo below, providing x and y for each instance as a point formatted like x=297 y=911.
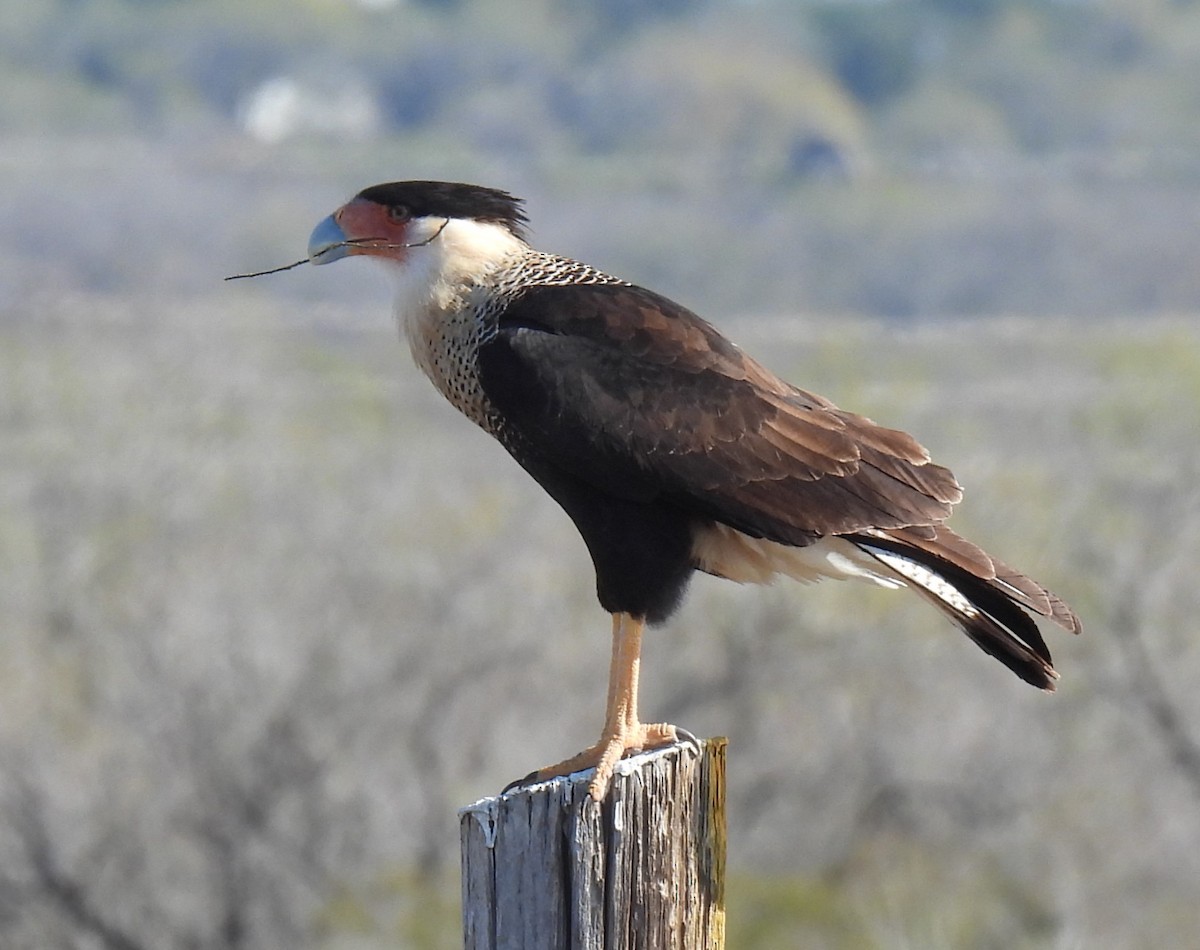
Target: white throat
x=445 y=259
x=440 y=283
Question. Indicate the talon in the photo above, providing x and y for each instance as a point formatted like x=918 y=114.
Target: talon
x=633 y=737
x=520 y=782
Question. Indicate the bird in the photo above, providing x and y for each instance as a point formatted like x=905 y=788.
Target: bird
x=671 y=450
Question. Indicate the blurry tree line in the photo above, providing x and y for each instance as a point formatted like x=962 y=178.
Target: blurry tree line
x=900 y=157
x=909 y=76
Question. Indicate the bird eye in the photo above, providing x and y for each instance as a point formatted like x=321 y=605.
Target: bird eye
x=397 y=213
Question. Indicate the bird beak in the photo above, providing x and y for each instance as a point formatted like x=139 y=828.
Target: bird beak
x=327 y=243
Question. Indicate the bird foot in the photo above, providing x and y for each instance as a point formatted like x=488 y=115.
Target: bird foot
x=604 y=755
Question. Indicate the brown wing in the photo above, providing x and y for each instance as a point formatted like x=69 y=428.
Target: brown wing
x=644 y=399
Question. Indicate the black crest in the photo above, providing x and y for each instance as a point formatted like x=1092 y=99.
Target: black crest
x=451 y=200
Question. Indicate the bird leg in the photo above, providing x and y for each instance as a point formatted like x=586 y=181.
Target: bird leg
x=622 y=731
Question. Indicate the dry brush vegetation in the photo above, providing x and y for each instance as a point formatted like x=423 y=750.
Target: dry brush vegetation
x=272 y=612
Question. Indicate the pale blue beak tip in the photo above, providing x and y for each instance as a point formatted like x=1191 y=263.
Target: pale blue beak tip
x=327 y=243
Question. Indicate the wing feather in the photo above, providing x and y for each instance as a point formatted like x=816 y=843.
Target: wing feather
x=640 y=396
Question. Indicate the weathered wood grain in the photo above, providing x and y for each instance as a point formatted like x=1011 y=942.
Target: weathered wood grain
x=546 y=868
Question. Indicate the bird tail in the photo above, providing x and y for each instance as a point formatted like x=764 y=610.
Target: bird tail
x=993 y=604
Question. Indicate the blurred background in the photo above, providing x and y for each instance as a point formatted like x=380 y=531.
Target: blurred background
x=270 y=611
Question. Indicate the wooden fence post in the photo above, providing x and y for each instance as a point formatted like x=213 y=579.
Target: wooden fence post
x=546 y=868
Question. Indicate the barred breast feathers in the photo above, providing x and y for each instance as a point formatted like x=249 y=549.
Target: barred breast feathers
x=451 y=290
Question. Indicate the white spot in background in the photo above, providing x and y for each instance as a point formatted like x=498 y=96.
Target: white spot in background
x=283 y=107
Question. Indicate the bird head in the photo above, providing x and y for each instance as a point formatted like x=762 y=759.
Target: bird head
x=393 y=220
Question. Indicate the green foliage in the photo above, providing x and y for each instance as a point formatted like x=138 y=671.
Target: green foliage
x=611 y=20
x=399 y=909
x=1049 y=72
x=895 y=158
x=781 y=912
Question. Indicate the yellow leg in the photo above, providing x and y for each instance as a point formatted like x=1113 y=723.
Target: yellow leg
x=623 y=732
